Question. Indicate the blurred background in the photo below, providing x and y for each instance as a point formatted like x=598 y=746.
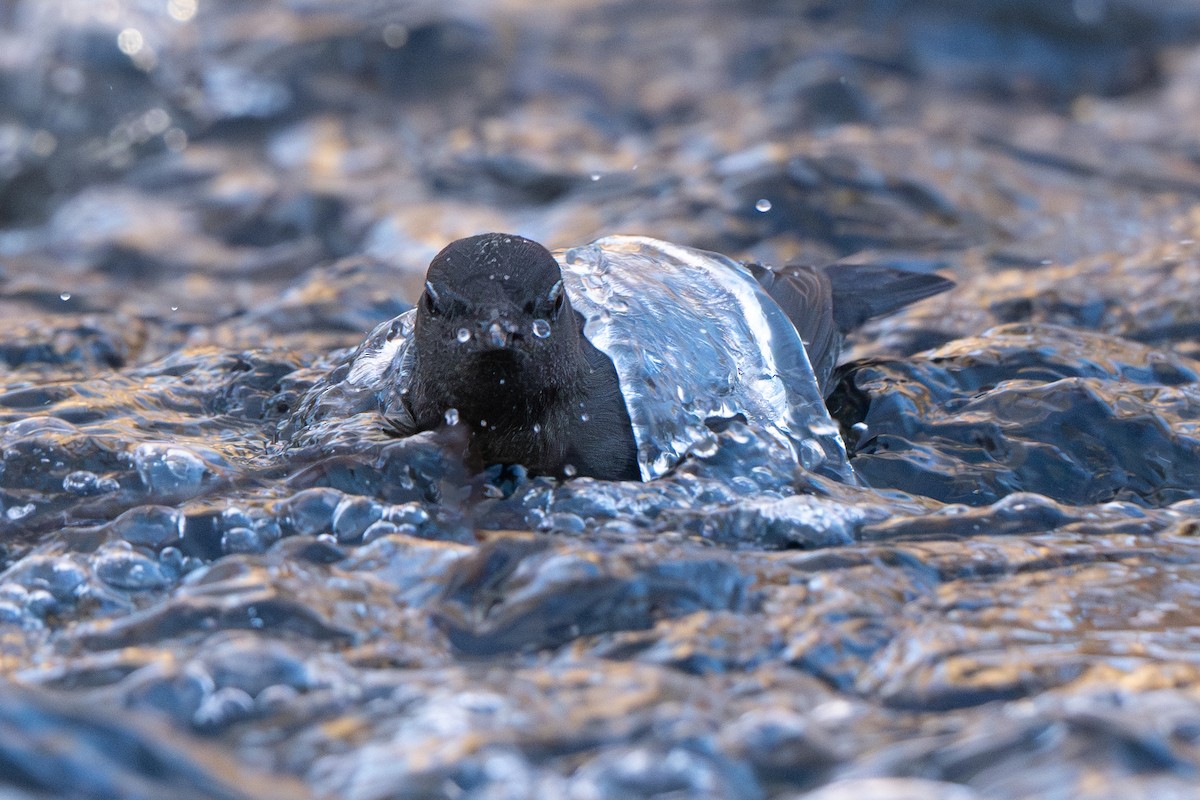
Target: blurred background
x=166 y=164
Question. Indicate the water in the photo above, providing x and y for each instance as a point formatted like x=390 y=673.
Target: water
x=200 y=224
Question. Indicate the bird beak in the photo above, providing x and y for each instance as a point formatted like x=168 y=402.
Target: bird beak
x=496 y=335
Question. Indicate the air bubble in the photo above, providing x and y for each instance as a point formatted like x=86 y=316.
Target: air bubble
x=569 y=470
x=452 y=416
x=763 y=205
x=541 y=328
x=309 y=512
x=463 y=335
x=123 y=569
x=149 y=526
x=353 y=516
x=165 y=469
x=410 y=514
x=81 y=483
x=242 y=540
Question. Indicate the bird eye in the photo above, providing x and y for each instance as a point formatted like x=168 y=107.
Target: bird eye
x=557 y=297
x=429 y=299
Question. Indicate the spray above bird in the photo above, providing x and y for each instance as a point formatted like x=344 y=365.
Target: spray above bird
x=616 y=359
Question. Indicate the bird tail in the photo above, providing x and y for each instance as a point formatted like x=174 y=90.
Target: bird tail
x=865 y=291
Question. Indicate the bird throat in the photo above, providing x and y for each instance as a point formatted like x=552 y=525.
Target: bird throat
x=515 y=411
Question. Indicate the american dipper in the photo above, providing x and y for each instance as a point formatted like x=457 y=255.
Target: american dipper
x=496 y=340
x=616 y=359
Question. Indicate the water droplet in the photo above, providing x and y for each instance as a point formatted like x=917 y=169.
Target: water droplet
x=395 y=35
x=541 y=328
x=463 y=335
x=537 y=428
x=483 y=423
x=156 y=120
x=451 y=416
x=1089 y=12
x=175 y=139
x=65 y=296
x=130 y=41
x=181 y=10
x=502 y=381
x=584 y=417
x=569 y=470
x=174 y=308
x=763 y=205
x=595 y=176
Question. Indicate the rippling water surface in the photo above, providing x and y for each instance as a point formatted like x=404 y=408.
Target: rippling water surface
x=206 y=204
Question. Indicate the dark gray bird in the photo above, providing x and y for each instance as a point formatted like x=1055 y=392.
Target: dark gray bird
x=543 y=361
x=498 y=347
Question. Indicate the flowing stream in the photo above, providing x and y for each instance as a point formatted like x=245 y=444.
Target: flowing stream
x=205 y=205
